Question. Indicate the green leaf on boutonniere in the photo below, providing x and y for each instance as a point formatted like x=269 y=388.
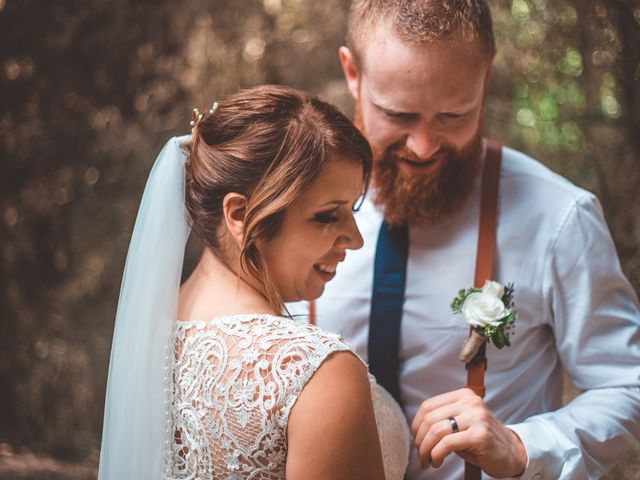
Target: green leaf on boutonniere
x=499 y=339
x=499 y=335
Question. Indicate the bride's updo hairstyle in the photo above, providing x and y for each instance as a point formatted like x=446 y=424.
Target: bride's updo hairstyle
x=267 y=143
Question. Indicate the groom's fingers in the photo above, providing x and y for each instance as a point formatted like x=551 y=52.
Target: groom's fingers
x=438 y=401
x=436 y=434
x=456 y=442
x=432 y=425
x=464 y=401
x=482 y=439
x=431 y=418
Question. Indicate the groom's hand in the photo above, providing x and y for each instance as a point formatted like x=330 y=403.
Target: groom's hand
x=481 y=438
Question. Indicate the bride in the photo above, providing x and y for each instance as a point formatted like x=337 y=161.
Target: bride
x=212 y=379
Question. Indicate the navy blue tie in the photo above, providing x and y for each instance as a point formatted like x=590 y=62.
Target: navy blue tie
x=389 y=277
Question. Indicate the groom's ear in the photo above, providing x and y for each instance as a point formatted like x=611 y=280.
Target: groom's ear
x=350 y=69
x=234 y=207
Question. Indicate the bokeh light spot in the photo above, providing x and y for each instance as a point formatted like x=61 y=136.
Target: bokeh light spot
x=10 y=216
x=520 y=10
x=63 y=195
x=610 y=105
x=526 y=117
x=254 y=48
x=572 y=64
x=602 y=58
x=12 y=69
x=273 y=7
x=548 y=108
x=91 y=176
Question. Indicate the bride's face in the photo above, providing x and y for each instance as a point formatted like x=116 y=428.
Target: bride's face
x=317 y=230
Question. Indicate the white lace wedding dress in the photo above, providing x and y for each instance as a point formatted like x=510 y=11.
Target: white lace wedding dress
x=234 y=382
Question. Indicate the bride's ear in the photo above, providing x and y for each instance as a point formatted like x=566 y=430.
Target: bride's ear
x=234 y=206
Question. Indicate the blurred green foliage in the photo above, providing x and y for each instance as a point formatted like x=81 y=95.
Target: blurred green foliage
x=91 y=89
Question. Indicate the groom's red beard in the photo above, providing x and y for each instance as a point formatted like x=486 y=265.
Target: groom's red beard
x=428 y=198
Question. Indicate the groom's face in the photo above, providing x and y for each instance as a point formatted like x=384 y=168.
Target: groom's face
x=420 y=107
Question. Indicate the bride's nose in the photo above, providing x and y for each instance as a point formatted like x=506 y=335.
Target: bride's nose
x=350 y=237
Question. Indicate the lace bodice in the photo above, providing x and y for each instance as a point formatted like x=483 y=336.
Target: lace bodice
x=234 y=382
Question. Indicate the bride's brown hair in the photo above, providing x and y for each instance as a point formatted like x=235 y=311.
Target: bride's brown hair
x=267 y=143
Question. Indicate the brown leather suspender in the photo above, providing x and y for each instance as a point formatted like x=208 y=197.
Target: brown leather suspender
x=484 y=267
x=312 y=312
x=485 y=251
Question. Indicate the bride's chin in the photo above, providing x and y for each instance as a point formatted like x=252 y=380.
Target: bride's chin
x=311 y=290
x=314 y=293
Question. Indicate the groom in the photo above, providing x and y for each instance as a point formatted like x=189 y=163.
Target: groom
x=418 y=71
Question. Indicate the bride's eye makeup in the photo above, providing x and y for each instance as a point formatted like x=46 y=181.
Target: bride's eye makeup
x=326 y=217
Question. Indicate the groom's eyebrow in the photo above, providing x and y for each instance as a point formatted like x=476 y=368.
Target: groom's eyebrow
x=390 y=111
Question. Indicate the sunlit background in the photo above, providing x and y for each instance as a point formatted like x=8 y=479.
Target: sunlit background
x=91 y=89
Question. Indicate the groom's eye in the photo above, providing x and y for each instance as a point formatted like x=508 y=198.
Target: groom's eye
x=399 y=117
x=452 y=117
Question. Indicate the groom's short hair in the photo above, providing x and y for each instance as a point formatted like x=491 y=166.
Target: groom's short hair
x=421 y=21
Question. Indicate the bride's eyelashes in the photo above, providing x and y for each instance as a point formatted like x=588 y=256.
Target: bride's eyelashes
x=326 y=218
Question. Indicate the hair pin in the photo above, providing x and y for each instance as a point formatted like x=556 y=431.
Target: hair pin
x=197 y=116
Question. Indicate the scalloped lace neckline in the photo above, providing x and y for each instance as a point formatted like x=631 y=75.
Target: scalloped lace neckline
x=241 y=317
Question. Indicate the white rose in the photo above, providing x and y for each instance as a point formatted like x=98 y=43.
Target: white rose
x=481 y=309
x=493 y=288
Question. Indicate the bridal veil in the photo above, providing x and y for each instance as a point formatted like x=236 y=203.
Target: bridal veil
x=136 y=416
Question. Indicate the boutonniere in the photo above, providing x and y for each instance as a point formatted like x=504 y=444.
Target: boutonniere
x=490 y=311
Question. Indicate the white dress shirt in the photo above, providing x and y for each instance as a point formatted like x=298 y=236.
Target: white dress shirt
x=575 y=310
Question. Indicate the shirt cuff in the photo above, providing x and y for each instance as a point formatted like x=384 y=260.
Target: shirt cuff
x=544 y=455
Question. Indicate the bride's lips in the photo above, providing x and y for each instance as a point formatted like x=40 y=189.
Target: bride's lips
x=327 y=270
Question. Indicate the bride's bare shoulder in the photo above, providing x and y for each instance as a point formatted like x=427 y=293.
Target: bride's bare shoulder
x=332 y=431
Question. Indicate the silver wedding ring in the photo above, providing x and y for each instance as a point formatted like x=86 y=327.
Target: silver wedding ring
x=454 y=425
